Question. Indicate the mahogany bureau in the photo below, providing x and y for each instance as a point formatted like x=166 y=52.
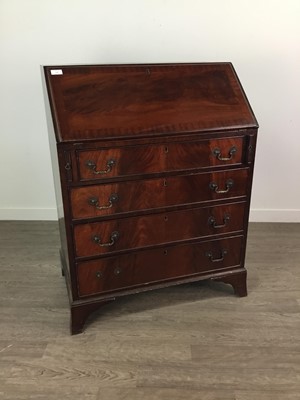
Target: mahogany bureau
x=153 y=170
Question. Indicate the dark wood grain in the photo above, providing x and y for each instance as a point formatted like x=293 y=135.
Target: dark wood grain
x=161 y=192
x=149 y=162
x=147 y=159
x=151 y=230
x=101 y=101
x=146 y=267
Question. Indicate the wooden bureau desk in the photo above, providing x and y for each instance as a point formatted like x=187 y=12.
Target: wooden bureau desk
x=153 y=169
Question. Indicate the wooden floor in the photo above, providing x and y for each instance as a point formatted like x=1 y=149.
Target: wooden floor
x=196 y=341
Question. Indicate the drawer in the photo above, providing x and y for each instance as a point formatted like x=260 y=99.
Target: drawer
x=124 y=197
x=150 y=230
x=146 y=267
x=149 y=159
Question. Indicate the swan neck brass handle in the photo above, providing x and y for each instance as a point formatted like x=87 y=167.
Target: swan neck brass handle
x=113 y=198
x=209 y=254
x=229 y=184
x=218 y=154
x=213 y=223
x=92 y=166
x=113 y=238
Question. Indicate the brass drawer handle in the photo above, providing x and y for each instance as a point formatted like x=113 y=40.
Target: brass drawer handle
x=109 y=165
x=113 y=238
x=213 y=223
x=217 y=153
x=209 y=254
x=229 y=184
x=113 y=198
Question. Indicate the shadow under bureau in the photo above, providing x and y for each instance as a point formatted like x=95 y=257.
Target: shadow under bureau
x=153 y=170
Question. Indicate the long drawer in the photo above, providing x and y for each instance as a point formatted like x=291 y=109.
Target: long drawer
x=150 y=230
x=146 y=267
x=123 y=197
x=148 y=159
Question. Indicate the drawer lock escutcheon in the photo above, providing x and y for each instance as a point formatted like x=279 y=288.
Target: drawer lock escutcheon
x=109 y=166
x=113 y=198
x=213 y=223
x=117 y=271
x=99 y=274
x=217 y=153
x=113 y=238
x=229 y=184
x=209 y=254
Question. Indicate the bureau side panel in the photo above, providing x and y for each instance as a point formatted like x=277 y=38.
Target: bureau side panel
x=251 y=150
x=58 y=160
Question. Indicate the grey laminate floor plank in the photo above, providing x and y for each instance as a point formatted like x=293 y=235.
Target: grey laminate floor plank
x=220 y=378
x=195 y=341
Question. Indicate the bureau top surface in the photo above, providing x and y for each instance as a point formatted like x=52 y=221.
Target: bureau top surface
x=127 y=101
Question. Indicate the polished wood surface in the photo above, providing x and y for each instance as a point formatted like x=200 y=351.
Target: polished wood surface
x=169 y=191
x=158 y=229
x=93 y=102
x=192 y=341
x=159 y=158
x=151 y=266
x=139 y=150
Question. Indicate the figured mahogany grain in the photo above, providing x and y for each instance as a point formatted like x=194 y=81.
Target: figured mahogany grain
x=151 y=230
x=145 y=267
x=164 y=157
x=161 y=193
x=161 y=125
x=118 y=101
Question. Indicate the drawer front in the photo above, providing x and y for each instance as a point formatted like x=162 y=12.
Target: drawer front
x=149 y=159
x=124 y=197
x=150 y=230
x=146 y=267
